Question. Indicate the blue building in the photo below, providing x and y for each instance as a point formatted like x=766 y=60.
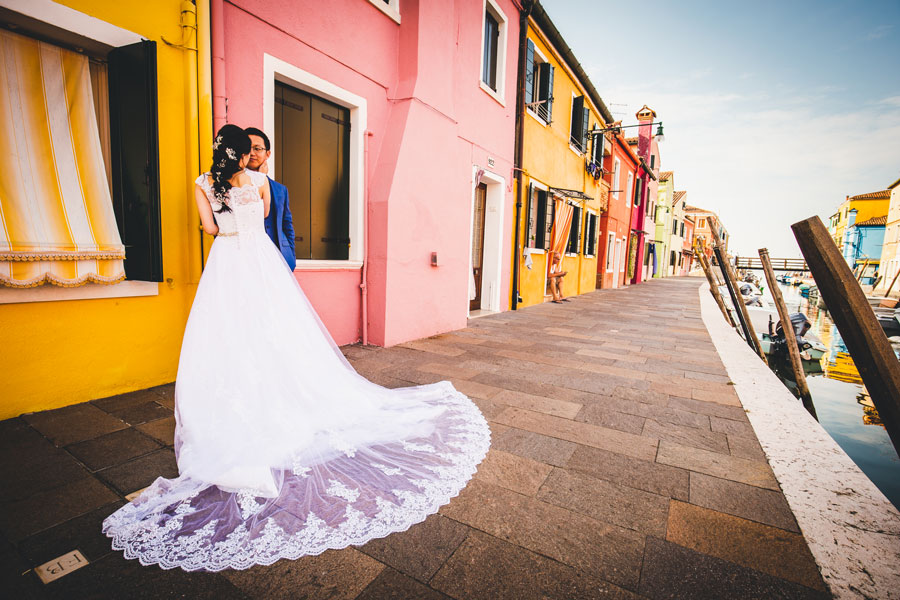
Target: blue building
x=862 y=244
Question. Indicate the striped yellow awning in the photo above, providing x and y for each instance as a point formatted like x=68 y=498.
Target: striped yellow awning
x=57 y=223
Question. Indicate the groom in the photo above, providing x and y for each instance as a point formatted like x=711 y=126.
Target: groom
x=279 y=224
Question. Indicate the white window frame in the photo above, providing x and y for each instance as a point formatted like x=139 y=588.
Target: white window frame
x=587 y=214
x=629 y=189
x=528 y=109
x=617 y=172
x=78 y=22
x=610 y=252
x=575 y=207
x=502 y=25
x=275 y=69
x=390 y=8
x=536 y=185
x=624 y=256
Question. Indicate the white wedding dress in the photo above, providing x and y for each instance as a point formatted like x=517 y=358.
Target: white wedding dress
x=283 y=449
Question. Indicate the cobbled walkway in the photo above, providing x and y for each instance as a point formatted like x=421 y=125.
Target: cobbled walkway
x=622 y=466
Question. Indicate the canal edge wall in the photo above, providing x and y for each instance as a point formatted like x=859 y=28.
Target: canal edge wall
x=852 y=529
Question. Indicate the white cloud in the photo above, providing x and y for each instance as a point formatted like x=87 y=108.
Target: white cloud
x=765 y=161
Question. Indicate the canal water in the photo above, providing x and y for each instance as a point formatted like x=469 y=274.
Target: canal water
x=842 y=403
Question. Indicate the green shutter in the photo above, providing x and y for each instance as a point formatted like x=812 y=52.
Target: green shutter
x=529 y=73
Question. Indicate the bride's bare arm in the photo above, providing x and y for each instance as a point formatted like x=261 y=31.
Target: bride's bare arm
x=266 y=196
x=206 y=213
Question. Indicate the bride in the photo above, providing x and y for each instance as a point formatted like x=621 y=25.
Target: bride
x=283 y=449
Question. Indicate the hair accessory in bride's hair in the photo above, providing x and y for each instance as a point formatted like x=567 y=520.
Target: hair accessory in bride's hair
x=230 y=144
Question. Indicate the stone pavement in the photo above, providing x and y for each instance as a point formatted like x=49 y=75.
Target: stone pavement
x=622 y=466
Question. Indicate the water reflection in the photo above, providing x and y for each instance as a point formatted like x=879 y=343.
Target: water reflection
x=843 y=405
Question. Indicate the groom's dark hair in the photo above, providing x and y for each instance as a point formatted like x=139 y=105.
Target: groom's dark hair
x=255 y=131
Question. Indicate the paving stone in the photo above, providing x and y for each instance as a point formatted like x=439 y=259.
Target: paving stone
x=672 y=572
x=112 y=449
x=599 y=415
x=432 y=348
x=612 y=355
x=549 y=406
x=143 y=413
x=486 y=568
x=640 y=395
x=609 y=502
x=334 y=574
x=535 y=446
x=732 y=428
x=513 y=472
x=448 y=370
x=738 y=499
x=76 y=423
x=393 y=585
x=23 y=518
x=83 y=532
x=768 y=549
x=113 y=576
x=141 y=472
x=718 y=465
x=16 y=579
x=473 y=389
x=420 y=550
x=610 y=552
x=162 y=430
x=29 y=463
x=744 y=447
x=580 y=433
x=686 y=436
x=644 y=475
x=703 y=407
x=727 y=397
x=115 y=404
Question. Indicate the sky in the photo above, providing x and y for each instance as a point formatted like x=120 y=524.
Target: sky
x=774 y=111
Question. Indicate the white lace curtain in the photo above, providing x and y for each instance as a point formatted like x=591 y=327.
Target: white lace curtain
x=57 y=223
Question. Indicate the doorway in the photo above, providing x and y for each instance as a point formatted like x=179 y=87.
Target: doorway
x=478 y=244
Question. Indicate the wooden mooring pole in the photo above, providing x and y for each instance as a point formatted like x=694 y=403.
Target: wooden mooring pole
x=736 y=299
x=865 y=339
x=789 y=336
x=713 y=287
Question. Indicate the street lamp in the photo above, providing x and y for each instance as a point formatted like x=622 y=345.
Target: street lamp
x=659 y=130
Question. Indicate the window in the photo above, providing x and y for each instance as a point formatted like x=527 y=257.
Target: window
x=610 y=244
x=538 y=232
x=312 y=156
x=652 y=161
x=615 y=178
x=538 y=84
x=574 y=231
x=638 y=189
x=629 y=188
x=672 y=259
x=493 y=51
x=389 y=7
x=590 y=235
x=110 y=147
x=682 y=229
x=674 y=226
x=578 y=128
x=489 y=65
x=597 y=154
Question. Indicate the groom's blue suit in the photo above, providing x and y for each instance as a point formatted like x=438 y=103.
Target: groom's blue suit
x=279 y=224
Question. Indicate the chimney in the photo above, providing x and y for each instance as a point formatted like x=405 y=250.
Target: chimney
x=645 y=118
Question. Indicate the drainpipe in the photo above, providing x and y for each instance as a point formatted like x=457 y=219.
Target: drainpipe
x=520 y=141
x=217 y=34
x=363 y=284
x=204 y=105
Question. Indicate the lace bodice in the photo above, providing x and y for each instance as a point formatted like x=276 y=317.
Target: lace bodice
x=247 y=209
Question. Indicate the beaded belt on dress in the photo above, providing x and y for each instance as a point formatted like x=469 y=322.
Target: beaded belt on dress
x=226 y=234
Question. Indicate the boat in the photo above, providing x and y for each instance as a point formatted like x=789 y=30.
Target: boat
x=774 y=345
x=804 y=289
x=889 y=319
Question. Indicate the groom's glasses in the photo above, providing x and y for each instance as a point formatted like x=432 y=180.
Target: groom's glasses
x=258 y=148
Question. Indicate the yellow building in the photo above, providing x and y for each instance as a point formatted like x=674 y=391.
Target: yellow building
x=561 y=181
x=867 y=206
x=123 y=86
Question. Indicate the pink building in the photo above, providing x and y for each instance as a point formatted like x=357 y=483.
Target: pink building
x=643 y=224
x=392 y=125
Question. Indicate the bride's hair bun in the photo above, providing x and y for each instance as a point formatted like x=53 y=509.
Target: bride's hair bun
x=230 y=145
